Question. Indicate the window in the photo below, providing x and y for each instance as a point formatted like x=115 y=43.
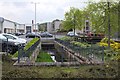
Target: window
x=9 y=37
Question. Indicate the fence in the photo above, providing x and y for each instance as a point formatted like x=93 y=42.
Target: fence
x=94 y=52
x=26 y=53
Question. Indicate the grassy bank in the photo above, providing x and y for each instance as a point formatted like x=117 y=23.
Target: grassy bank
x=108 y=70
x=28 y=45
x=44 y=57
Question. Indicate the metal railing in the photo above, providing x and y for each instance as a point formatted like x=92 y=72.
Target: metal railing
x=93 y=52
x=26 y=53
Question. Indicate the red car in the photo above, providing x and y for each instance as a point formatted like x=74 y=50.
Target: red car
x=95 y=36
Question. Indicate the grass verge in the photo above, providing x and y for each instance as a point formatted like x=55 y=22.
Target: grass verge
x=28 y=45
x=44 y=57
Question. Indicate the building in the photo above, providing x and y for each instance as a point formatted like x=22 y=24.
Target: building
x=87 y=28
x=8 y=26
x=43 y=27
x=51 y=27
x=56 y=25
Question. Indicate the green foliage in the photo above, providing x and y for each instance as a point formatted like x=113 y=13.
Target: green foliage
x=105 y=40
x=33 y=41
x=28 y=45
x=67 y=38
x=97 y=14
x=44 y=57
x=107 y=70
x=84 y=45
x=73 y=17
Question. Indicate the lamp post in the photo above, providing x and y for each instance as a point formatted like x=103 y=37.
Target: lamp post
x=35 y=12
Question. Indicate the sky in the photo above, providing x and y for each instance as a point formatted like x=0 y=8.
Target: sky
x=23 y=11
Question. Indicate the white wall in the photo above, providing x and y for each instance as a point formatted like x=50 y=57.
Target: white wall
x=57 y=25
x=20 y=27
x=49 y=27
x=1 y=26
x=8 y=24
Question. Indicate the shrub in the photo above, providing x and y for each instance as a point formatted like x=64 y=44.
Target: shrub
x=114 y=45
x=84 y=45
x=67 y=38
x=105 y=40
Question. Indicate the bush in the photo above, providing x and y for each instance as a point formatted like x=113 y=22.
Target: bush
x=84 y=45
x=28 y=45
x=67 y=38
x=105 y=40
x=114 y=45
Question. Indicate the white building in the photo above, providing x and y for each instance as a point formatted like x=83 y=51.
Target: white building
x=20 y=28
x=8 y=26
x=56 y=25
x=51 y=26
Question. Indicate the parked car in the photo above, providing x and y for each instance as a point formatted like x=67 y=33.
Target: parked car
x=46 y=37
x=7 y=46
x=15 y=39
x=71 y=34
x=17 y=34
x=46 y=34
x=32 y=35
x=96 y=37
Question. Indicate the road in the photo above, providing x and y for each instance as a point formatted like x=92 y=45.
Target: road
x=29 y=39
x=23 y=36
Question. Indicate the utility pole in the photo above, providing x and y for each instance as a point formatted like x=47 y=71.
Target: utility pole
x=109 y=28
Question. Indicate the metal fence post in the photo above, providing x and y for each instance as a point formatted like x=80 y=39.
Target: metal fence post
x=103 y=54
x=7 y=46
x=20 y=51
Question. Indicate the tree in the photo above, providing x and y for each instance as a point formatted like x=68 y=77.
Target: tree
x=98 y=15
x=73 y=18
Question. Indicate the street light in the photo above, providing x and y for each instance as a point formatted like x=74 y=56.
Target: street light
x=35 y=12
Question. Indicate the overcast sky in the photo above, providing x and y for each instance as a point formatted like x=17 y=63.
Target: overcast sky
x=23 y=11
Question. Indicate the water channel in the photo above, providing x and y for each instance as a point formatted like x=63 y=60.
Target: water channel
x=57 y=54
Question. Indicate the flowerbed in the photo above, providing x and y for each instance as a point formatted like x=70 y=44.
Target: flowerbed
x=114 y=52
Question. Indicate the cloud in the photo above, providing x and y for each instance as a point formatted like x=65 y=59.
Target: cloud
x=23 y=11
